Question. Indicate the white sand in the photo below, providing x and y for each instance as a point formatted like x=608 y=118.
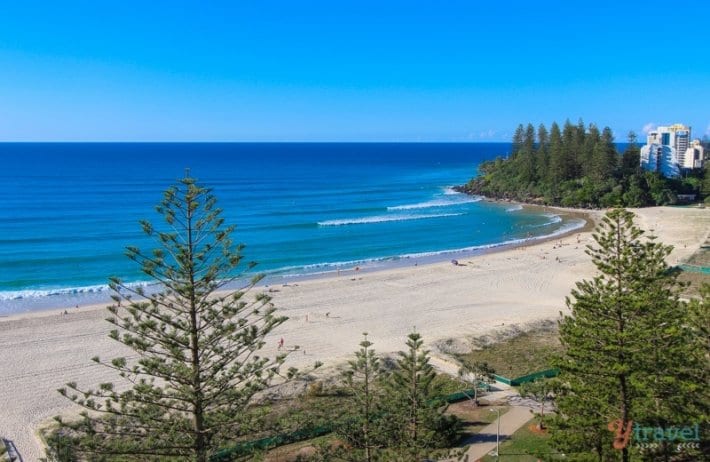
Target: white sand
x=41 y=352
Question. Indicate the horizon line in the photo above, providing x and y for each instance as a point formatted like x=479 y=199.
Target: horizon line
x=240 y=142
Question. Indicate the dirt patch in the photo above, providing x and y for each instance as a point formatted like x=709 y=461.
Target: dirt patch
x=533 y=428
x=474 y=418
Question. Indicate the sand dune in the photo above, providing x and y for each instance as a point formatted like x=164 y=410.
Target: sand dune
x=42 y=351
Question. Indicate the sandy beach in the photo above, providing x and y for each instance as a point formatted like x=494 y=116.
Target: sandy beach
x=42 y=351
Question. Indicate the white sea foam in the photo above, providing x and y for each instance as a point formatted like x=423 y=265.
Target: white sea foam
x=554 y=219
x=372 y=263
x=514 y=208
x=36 y=293
x=318 y=268
x=384 y=218
x=438 y=203
x=567 y=227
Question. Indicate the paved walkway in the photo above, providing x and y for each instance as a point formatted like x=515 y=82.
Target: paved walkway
x=485 y=441
x=518 y=414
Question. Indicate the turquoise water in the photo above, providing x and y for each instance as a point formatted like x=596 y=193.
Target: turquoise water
x=68 y=210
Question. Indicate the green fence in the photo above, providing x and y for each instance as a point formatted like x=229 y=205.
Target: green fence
x=527 y=378
x=695 y=269
x=250 y=447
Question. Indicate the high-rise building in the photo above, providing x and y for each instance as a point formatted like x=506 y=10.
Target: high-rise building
x=693 y=157
x=668 y=150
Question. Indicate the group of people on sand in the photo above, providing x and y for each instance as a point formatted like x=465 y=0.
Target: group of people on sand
x=67 y=312
x=281 y=340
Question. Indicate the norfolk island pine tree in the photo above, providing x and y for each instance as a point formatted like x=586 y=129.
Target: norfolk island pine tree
x=626 y=327
x=198 y=345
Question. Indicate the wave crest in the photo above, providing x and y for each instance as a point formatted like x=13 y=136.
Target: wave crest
x=373 y=263
x=437 y=203
x=384 y=219
x=36 y=293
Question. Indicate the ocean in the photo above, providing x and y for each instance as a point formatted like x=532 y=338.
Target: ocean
x=68 y=210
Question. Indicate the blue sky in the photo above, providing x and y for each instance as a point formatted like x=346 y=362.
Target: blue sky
x=347 y=71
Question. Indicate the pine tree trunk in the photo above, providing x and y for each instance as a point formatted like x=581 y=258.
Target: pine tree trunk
x=366 y=429
x=200 y=445
x=624 y=414
x=415 y=409
x=623 y=386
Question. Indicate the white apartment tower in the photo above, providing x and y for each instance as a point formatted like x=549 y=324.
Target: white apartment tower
x=669 y=150
x=694 y=156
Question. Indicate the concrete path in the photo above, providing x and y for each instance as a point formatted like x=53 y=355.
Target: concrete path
x=485 y=441
x=517 y=415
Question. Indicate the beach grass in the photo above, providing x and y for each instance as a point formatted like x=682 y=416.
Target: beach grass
x=694 y=281
x=3 y=451
x=520 y=353
x=700 y=258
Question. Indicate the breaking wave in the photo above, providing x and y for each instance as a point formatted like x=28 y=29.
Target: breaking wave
x=384 y=219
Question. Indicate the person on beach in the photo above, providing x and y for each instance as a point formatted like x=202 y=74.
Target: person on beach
x=281 y=343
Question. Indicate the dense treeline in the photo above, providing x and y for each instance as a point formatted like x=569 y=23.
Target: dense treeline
x=579 y=166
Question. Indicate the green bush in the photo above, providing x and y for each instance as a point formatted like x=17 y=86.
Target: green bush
x=60 y=447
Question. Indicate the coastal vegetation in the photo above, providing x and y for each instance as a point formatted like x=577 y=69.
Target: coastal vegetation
x=633 y=359
x=696 y=271
x=476 y=375
x=518 y=355
x=198 y=365
x=194 y=385
x=3 y=451
x=579 y=166
x=196 y=389
x=398 y=414
x=527 y=445
x=633 y=351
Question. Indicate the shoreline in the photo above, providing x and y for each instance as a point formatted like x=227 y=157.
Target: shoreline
x=366 y=267
x=520 y=285
x=96 y=295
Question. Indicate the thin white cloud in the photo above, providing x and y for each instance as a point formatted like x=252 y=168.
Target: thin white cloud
x=482 y=135
x=649 y=127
